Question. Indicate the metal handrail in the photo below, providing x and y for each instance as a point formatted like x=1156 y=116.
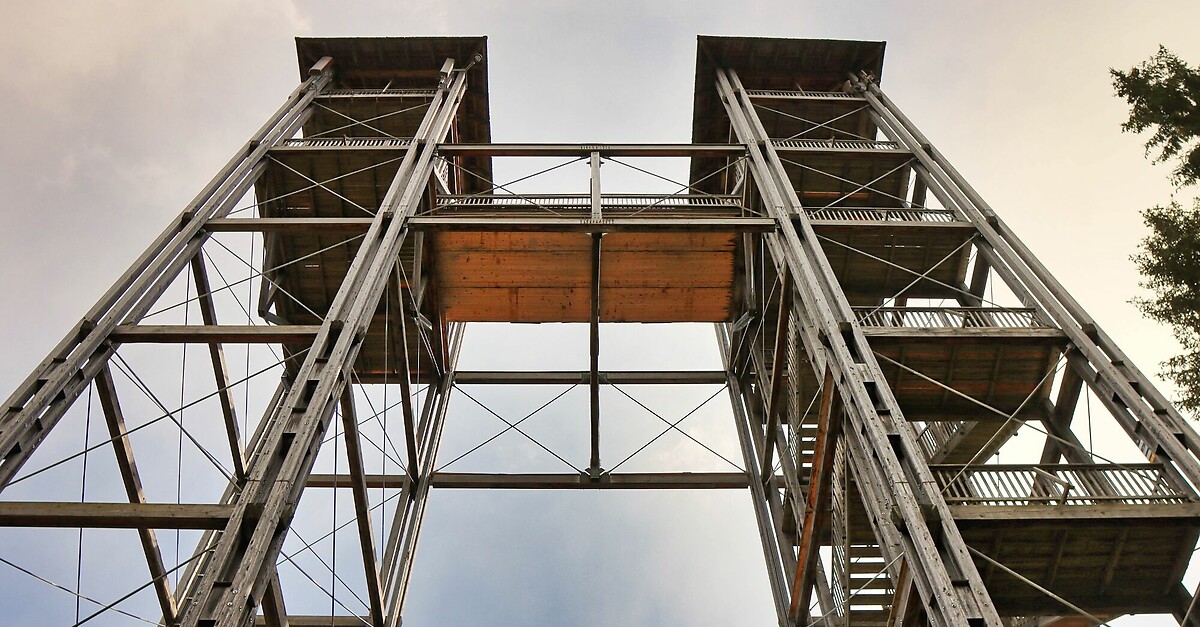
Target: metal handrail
x=881 y=214
x=950 y=317
x=352 y=142
x=379 y=92
x=1073 y=484
x=646 y=204
x=936 y=435
x=837 y=144
x=800 y=93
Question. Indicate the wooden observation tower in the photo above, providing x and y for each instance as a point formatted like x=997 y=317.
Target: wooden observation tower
x=884 y=334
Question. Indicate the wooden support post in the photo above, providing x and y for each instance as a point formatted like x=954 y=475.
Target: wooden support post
x=1069 y=391
x=362 y=506
x=595 y=185
x=816 y=510
x=774 y=405
x=594 y=469
x=906 y=604
x=216 y=354
x=273 y=608
x=107 y=391
x=979 y=281
x=406 y=404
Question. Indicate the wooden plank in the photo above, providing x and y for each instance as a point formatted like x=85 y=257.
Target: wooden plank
x=552 y=481
x=570 y=304
x=288 y=225
x=584 y=150
x=113 y=515
x=567 y=377
x=213 y=334
x=816 y=510
x=317 y=621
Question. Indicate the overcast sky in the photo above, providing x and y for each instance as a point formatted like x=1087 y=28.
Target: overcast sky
x=117 y=113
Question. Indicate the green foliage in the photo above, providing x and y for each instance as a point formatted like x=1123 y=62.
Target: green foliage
x=1170 y=265
x=1163 y=94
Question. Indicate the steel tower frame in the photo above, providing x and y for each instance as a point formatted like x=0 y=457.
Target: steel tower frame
x=862 y=473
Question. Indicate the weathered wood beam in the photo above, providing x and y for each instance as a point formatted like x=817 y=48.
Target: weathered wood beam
x=316 y=621
x=288 y=225
x=567 y=377
x=274 y=611
x=473 y=224
x=585 y=224
x=216 y=354
x=113 y=515
x=406 y=404
x=550 y=481
x=362 y=507
x=594 y=339
x=1069 y=391
x=816 y=509
x=1097 y=514
x=779 y=358
x=127 y=466
x=906 y=603
x=213 y=334
x=585 y=150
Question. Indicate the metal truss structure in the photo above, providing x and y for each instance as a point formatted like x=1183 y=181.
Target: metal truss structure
x=851 y=274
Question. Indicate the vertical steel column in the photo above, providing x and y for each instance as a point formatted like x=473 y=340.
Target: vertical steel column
x=236 y=575
x=906 y=508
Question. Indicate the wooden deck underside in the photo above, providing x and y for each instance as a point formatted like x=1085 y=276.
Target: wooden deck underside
x=815 y=118
x=864 y=256
x=869 y=177
x=1110 y=560
x=999 y=367
x=1106 y=564
x=546 y=277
